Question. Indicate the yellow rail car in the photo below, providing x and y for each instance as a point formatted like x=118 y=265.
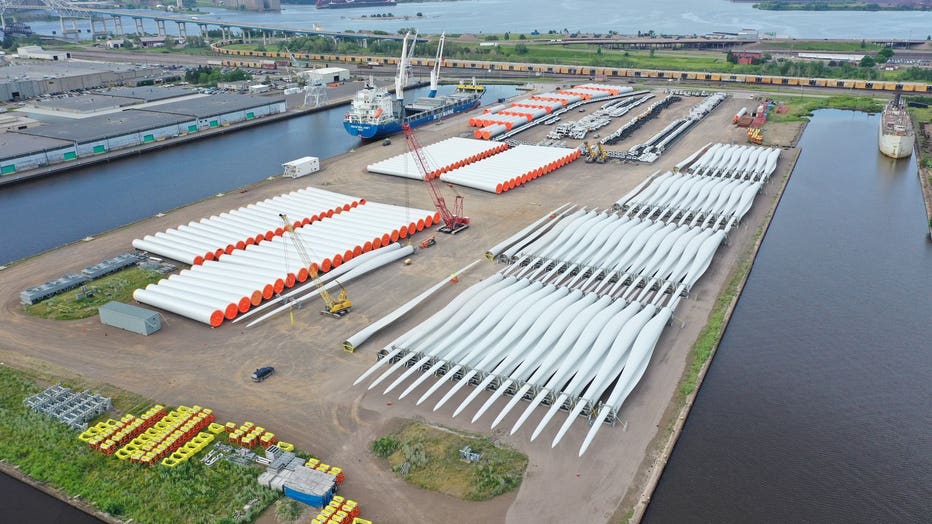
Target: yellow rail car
x=601 y=72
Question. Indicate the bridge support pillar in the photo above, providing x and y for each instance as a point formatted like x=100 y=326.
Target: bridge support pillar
x=365 y=43
x=204 y=33
x=118 y=26
x=160 y=27
x=182 y=30
x=140 y=29
x=93 y=29
x=225 y=32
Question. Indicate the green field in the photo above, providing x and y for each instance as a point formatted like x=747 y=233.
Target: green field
x=118 y=286
x=435 y=464
x=822 y=45
x=50 y=452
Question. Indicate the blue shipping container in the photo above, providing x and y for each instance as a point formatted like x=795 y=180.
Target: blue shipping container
x=310 y=500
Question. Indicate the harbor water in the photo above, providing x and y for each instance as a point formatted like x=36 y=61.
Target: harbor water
x=20 y=502
x=816 y=407
x=46 y=213
x=677 y=17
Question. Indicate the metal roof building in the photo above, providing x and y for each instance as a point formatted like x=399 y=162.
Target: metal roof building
x=217 y=105
x=86 y=103
x=99 y=134
x=131 y=318
x=148 y=93
x=32 y=80
x=104 y=127
x=20 y=152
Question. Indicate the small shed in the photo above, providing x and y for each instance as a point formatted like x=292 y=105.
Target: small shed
x=131 y=318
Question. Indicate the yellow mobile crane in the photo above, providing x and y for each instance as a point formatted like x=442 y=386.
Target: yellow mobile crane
x=598 y=157
x=335 y=307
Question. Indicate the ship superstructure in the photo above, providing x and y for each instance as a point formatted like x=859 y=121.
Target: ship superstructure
x=376 y=113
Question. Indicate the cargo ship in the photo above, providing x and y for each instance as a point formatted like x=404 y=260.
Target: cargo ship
x=376 y=113
x=345 y=4
x=896 y=135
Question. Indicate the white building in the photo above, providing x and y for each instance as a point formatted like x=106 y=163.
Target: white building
x=327 y=74
x=37 y=53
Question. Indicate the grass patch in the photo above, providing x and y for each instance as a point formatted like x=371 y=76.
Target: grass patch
x=711 y=334
x=51 y=452
x=118 y=286
x=435 y=463
x=799 y=109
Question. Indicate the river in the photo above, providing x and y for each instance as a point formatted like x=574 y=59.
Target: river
x=817 y=405
x=46 y=213
x=679 y=17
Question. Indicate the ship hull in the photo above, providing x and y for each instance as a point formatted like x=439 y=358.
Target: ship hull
x=377 y=131
x=895 y=135
x=895 y=146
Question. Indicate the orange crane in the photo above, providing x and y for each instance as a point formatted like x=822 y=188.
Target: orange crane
x=453 y=221
x=334 y=307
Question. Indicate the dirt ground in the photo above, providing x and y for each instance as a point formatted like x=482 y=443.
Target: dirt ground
x=311 y=401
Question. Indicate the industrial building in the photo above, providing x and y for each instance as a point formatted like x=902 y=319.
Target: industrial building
x=37 y=53
x=63 y=141
x=24 y=81
x=328 y=74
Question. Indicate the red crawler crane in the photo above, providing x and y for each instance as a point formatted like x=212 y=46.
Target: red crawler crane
x=453 y=221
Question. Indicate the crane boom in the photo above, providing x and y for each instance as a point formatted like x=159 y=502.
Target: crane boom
x=453 y=221
x=335 y=307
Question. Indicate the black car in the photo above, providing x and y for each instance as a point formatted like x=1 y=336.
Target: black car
x=263 y=373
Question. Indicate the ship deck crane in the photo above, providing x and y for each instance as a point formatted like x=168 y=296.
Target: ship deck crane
x=453 y=221
x=435 y=72
x=334 y=307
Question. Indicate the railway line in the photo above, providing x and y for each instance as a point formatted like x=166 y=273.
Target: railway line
x=267 y=60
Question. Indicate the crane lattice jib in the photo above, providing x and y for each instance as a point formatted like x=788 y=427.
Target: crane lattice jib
x=448 y=217
x=308 y=263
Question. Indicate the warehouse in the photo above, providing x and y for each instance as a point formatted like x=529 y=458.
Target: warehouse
x=85 y=104
x=99 y=134
x=21 y=152
x=68 y=140
x=328 y=74
x=219 y=110
x=19 y=82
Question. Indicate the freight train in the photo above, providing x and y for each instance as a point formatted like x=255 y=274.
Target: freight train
x=602 y=73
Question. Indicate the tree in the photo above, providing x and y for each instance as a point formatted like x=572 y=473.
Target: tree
x=867 y=61
x=884 y=55
x=521 y=49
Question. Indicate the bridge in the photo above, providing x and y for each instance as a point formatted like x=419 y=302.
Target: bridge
x=115 y=17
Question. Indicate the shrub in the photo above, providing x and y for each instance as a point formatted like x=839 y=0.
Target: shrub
x=385 y=446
